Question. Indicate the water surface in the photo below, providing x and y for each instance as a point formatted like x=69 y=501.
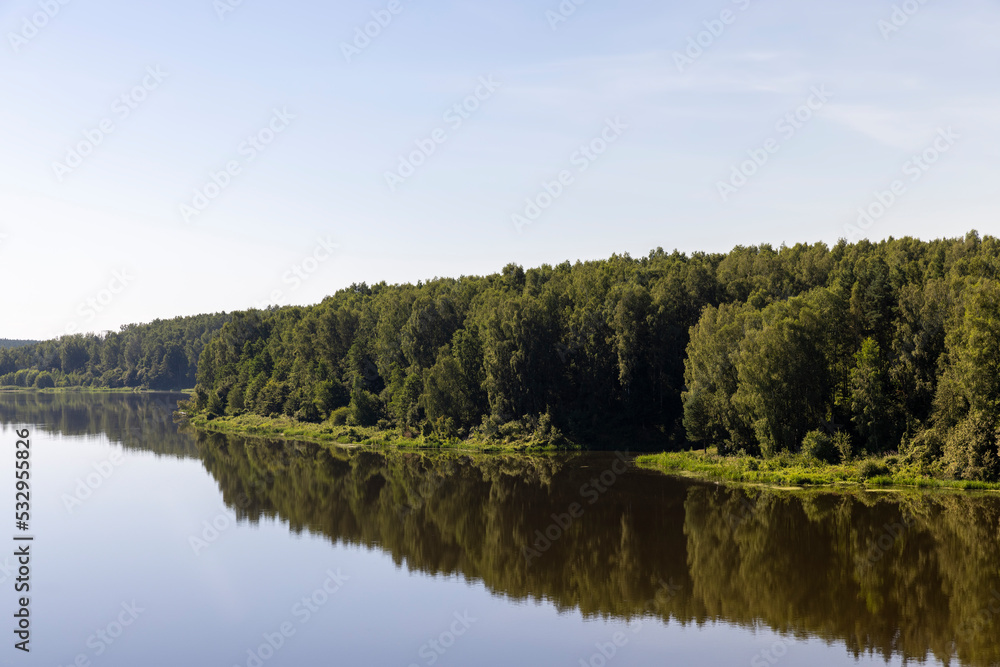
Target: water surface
x=158 y=545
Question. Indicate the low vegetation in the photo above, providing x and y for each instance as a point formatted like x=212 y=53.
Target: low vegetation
x=802 y=469
x=516 y=436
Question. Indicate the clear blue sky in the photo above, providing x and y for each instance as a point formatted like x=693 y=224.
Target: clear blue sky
x=673 y=128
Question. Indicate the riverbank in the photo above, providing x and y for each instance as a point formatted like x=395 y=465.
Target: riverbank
x=787 y=470
x=347 y=435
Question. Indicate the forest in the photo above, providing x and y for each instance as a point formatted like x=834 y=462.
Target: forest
x=5 y=342
x=864 y=348
x=856 y=350
x=160 y=355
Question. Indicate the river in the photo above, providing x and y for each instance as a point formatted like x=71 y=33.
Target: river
x=155 y=544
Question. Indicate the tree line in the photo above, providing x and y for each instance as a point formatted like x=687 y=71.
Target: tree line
x=867 y=348
x=160 y=355
x=6 y=342
x=855 y=350
x=858 y=349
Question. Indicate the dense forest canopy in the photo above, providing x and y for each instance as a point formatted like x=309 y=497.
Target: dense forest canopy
x=878 y=347
x=160 y=355
x=859 y=349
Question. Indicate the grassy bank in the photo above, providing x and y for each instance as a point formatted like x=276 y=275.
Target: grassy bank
x=343 y=434
x=800 y=470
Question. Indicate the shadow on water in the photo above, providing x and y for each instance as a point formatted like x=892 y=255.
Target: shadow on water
x=912 y=575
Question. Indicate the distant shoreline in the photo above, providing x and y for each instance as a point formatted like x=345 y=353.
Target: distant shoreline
x=91 y=390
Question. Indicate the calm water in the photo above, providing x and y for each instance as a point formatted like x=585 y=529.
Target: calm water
x=159 y=546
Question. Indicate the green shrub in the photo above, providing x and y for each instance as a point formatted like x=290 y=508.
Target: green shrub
x=216 y=407
x=309 y=413
x=44 y=381
x=970 y=451
x=339 y=416
x=842 y=441
x=365 y=408
x=870 y=468
x=821 y=446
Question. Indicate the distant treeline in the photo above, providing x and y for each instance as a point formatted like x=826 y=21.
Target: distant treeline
x=881 y=347
x=160 y=355
x=5 y=343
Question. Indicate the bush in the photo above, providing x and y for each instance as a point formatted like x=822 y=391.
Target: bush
x=871 y=468
x=308 y=413
x=44 y=381
x=339 y=416
x=365 y=408
x=925 y=449
x=216 y=407
x=842 y=441
x=821 y=446
x=970 y=452
x=271 y=400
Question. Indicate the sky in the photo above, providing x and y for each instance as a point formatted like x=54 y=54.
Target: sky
x=166 y=159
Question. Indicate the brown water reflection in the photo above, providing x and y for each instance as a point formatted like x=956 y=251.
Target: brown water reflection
x=915 y=575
